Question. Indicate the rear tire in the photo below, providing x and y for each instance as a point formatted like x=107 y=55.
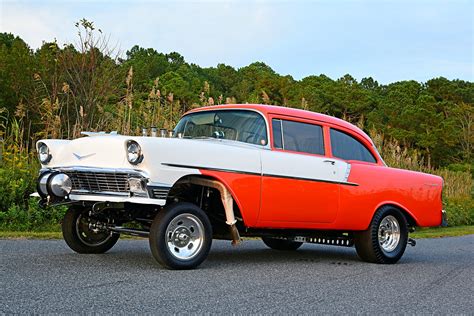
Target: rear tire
x=181 y=236
x=386 y=239
x=281 y=244
x=80 y=238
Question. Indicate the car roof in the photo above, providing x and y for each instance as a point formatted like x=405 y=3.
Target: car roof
x=298 y=113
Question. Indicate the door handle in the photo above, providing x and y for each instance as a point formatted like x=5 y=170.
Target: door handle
x=332 y=162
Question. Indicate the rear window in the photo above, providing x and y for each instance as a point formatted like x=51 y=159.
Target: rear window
x=347 y=147
x=297 y=136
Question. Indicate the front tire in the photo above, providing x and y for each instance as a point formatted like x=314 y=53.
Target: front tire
x=80 y=238
x=281 y=244
x=181 y=236
x=386 y=239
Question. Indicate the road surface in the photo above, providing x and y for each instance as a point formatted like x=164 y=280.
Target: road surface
x=45 y=276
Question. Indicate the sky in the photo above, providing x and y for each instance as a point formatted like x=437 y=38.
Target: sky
x=387 y=40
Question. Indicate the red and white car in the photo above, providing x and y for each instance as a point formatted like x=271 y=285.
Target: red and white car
x=288 y=176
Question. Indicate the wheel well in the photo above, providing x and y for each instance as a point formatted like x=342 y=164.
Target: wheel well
x=206 y=198
x=410 y=220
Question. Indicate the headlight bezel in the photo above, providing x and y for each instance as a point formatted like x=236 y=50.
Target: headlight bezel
x=133 y=148
x=46 y=158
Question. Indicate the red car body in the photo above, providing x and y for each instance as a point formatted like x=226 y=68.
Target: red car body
x=319 y=205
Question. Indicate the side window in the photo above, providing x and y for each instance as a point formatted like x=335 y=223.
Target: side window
x=296 y=136
x=277 y=137
x=347 y=147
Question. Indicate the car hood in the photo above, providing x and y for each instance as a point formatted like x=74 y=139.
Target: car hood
x=110 y=152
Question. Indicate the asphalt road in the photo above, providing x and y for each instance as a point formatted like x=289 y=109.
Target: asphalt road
x=39 y=276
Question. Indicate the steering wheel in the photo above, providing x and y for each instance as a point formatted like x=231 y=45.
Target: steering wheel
x=218 y=134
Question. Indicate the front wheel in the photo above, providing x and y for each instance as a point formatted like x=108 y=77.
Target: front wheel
x=386 y=239
x=181 y=236
x=83 y=239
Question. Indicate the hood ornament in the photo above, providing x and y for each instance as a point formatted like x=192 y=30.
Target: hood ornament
x=80 y=157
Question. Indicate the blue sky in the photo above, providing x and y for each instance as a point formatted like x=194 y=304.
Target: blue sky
x=388 y=40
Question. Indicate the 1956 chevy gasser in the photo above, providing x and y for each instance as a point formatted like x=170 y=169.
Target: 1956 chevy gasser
x=285 y=175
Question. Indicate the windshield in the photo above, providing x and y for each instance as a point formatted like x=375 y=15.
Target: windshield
x=239 y=125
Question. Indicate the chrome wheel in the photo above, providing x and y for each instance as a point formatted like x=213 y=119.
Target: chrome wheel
x=389 y=233
x=90 y=236
x=185 y=236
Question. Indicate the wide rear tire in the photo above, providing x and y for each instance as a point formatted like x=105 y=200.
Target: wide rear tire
x=386 y=239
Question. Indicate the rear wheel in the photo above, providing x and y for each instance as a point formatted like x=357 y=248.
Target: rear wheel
x=281 y=244
x=386 y=239
x=83 y=239
x=181 y=236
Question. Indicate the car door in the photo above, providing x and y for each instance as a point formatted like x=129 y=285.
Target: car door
x=299 y=183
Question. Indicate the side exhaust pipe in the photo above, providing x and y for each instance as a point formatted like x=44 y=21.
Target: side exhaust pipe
x=228 y=203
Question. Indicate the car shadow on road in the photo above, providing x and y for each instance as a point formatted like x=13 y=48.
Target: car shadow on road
x=222 y=253
x=249 y=253
x=308 y=253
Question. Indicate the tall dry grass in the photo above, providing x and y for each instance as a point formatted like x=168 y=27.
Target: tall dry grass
x=457 y=184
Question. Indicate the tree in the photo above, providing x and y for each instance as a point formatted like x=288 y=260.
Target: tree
x=16 y=72
x=92 y=75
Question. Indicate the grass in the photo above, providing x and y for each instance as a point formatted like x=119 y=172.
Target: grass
x=30 y=235
x=435 y=232
x=42 y=235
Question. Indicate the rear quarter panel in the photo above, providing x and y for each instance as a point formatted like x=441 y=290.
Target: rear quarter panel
x=418 y=194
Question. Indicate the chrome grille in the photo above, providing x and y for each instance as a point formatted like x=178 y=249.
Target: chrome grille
x=99 y=181
x=160 y=192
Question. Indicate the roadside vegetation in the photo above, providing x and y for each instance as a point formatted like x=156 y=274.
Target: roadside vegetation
x=55 y=233
x=60 y=91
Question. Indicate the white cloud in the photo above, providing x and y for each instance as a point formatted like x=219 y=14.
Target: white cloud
x=33 y=27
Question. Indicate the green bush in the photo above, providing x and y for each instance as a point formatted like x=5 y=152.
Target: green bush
x=460 y=211
x=18 y=211
x=31 y=218
x=462 y=167
x=16 y=184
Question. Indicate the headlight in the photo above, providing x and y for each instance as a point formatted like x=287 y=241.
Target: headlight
x=60 y=185
x=43 y=153
x=54 y=184
x=134 y=152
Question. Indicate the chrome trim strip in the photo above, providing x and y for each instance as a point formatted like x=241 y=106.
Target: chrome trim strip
x=105 y=193
x=211 y=169
x=309 y=179
x=348 y=172
x=111 y=198
x=258 y=174
x=96 y=169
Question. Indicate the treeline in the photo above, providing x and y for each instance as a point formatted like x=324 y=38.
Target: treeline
x=58 y=91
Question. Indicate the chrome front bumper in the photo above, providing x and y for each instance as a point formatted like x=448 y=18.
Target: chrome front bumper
x=99 y=184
